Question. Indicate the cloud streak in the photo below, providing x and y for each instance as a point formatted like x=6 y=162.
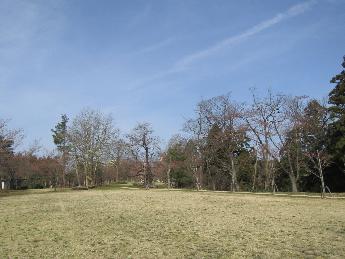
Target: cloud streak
x=256 y=29
x=186 y=62
x=156 y=46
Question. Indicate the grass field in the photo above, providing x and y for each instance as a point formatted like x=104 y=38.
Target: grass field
x=127 y=223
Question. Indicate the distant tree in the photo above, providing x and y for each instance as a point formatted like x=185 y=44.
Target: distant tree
x=194 y=161
x=144 y=147
x=6 y=150
x=227 y=136
x=60 y=137
x=119 y=149
x=174 y=157
x=215 y=156
x=9 y=140
x=337 y=117
x=181 y=178
x=91 y=136
x=6 y=158
x=314 y=140
x=219 y=133
x=287 y=127
x=14 y=136
x=263 y=117
x=198 y=129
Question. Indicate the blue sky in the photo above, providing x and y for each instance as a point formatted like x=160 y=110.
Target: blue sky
x=154 y=60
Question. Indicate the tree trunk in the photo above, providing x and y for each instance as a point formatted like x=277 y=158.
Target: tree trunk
x=272 y=176
x=273 y=186
x=168 y=178
x=77 y=173
x=297 y=160
x=85 y=172
x=266 y=173
x=63 y=177
x=147 y=169
x=94 y=175
x=234 y=176
x=211 y=178
x=168 y=172
x=117 y=173
x=292 y=176
x=255 y=172
x=197 y=180
x=293 y=182
x=267 y=162
x=64 y=162
x=323 y=189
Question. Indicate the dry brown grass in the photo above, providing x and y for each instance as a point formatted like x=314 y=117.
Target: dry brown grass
x=171 y=224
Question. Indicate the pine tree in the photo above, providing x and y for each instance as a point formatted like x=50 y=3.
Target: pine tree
x=6 y=152
x=337 y=113
x=61 y=141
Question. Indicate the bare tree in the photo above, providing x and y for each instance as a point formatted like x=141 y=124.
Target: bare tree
x=198 y=128
x=315 y=140
x=228 y=116
x=10 y=139
x=194 y=162
x=219 y=128
x=276 y=124
x=144 y=147
x=90 y=137
x=119 y=149
x=288 y=139
x=263 y=118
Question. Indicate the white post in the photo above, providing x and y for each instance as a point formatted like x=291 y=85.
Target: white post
x=2 y=185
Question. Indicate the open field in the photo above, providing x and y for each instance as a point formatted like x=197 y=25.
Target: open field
x=126 y=223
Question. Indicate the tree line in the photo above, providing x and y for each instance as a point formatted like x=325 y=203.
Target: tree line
x=274 y=143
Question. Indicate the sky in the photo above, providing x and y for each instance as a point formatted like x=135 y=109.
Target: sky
x=153 y=60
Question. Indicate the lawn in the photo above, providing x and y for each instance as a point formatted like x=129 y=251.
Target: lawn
x=129 y=223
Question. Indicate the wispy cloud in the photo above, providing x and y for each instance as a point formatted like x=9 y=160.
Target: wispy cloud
x=138 y=83
x=186 y=62
x=156 y=46
x=24 y=25
x=256 y=29
x=23 y=21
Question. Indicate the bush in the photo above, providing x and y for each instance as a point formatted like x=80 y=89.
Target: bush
x=122 y=182
x=181 y=178
x=160 y=185
x=37 y=186
x=137 y=184
x=79 y=188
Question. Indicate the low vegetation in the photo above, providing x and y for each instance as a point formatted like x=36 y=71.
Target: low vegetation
x=136 y=223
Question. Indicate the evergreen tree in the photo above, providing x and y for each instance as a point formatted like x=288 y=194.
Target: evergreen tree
x=61 y=142
x=60 y=133
x=214 y=155
x=337 y=113
x=6 y=152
